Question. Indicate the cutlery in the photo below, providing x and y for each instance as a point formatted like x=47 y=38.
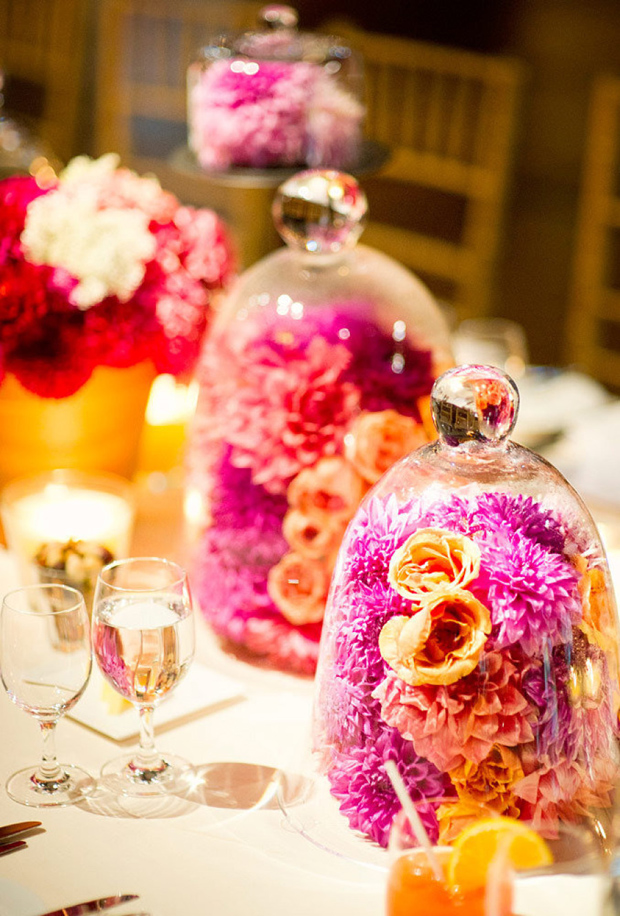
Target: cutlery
x=11 y=830
x=12 y=847
x=92 y=906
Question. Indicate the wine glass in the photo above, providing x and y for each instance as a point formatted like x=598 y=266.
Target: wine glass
x=45 y=664
x=143 y=640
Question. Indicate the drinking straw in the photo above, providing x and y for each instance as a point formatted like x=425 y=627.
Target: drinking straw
x=414 y=818
x=498 y=874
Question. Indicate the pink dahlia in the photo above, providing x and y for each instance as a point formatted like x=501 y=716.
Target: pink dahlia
x=533 y=592
x=291 y=409
x=450 y=724
x=359 y=780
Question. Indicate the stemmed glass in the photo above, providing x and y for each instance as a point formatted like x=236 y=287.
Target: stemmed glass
x=143 y=640
x=45 y=664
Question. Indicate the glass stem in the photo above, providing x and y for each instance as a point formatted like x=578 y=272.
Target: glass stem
x=48 y=773
x=147 y=759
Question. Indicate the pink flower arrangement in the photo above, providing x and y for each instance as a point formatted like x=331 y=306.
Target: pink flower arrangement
x=272 y=113
x=473 y=632
x=295 y=418
x=102 y=268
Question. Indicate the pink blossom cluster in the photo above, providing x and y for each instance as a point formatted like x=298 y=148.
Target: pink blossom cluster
x=272 y=113
x=103 y=268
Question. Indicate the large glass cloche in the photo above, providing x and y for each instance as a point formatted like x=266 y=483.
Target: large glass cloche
x=471 y=633
x=275 y=97
x=315 y=378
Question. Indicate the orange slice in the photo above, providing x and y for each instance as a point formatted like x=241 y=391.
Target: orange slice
x=475 y=848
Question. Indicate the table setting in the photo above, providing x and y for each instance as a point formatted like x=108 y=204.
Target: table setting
x=338 y=634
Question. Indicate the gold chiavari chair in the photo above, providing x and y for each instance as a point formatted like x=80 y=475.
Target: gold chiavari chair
x=43 y=50
x=449 y=117
x=593 y=336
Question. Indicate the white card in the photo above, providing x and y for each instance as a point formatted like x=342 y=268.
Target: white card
x=200 y=692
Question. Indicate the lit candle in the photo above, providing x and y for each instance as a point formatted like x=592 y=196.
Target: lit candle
x=61 y=513
x=66 y=506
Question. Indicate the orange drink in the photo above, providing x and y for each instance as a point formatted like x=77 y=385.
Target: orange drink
x=414 y=890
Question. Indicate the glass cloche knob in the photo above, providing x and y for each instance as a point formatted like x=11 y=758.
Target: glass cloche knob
x=278 y=16
x=474 y=403
x=321 y=211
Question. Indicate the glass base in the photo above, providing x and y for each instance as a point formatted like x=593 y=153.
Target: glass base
x=72 y=786
x=123 y=777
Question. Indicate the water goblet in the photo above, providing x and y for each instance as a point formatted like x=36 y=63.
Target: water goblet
x=143 y=641
x=45 y=664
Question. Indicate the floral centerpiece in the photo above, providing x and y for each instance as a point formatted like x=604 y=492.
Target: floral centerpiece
x=296 y=421
x=470 y=637
x=102 y=268
x=272 y=113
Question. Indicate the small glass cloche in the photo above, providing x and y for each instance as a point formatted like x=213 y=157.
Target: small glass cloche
x=275 y=97
x=471 y=632
x=315 y=378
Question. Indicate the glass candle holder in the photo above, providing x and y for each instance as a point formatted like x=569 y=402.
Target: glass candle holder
x=65 y=525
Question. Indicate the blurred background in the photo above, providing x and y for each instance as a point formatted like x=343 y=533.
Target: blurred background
x=100 y=75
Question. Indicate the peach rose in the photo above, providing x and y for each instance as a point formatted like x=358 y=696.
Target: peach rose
x=379 y=439
x=316 y=535
x=332 y=485
x=441 y=643
x=298 y=587
x=430 y=558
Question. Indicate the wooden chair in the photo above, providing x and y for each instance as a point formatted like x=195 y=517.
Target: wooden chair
x=593 y=336
x=42 y=51
x=145 y=47
x=449 y=117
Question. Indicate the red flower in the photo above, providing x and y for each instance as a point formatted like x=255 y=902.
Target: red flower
x=50 y=344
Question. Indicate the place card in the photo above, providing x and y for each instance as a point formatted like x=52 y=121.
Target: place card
x=202 y=691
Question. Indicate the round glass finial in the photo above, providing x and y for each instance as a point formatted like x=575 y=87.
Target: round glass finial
x=320 y=210
x=278 y=16
x=474 y=403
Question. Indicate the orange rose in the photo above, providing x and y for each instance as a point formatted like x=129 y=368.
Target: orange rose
x=430 y=558
x=441 y=643
x=317 y=535
x=332 y=485
x=489 y=784
x=298 y=587
x=454 y=816
x=379 y=439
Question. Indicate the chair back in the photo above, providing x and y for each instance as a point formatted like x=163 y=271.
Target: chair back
x=449 y=118
x=43 y=54
x=593 y=336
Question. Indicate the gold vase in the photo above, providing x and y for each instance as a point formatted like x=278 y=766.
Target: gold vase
x=96 y=429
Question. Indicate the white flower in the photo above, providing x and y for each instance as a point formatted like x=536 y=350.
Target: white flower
x=104 y=249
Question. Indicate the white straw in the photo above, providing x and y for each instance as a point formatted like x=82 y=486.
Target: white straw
x=414 y=818
x=499 y=872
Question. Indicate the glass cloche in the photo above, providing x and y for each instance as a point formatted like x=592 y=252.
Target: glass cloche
x=275 y=97
x=315 y=378
x=471 y=633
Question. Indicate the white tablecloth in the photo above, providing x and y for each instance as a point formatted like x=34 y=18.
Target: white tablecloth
x=183 y=859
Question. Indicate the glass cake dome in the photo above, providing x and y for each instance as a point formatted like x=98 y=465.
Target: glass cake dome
x=275 y=97
x=470 y=633
x=316 y=376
